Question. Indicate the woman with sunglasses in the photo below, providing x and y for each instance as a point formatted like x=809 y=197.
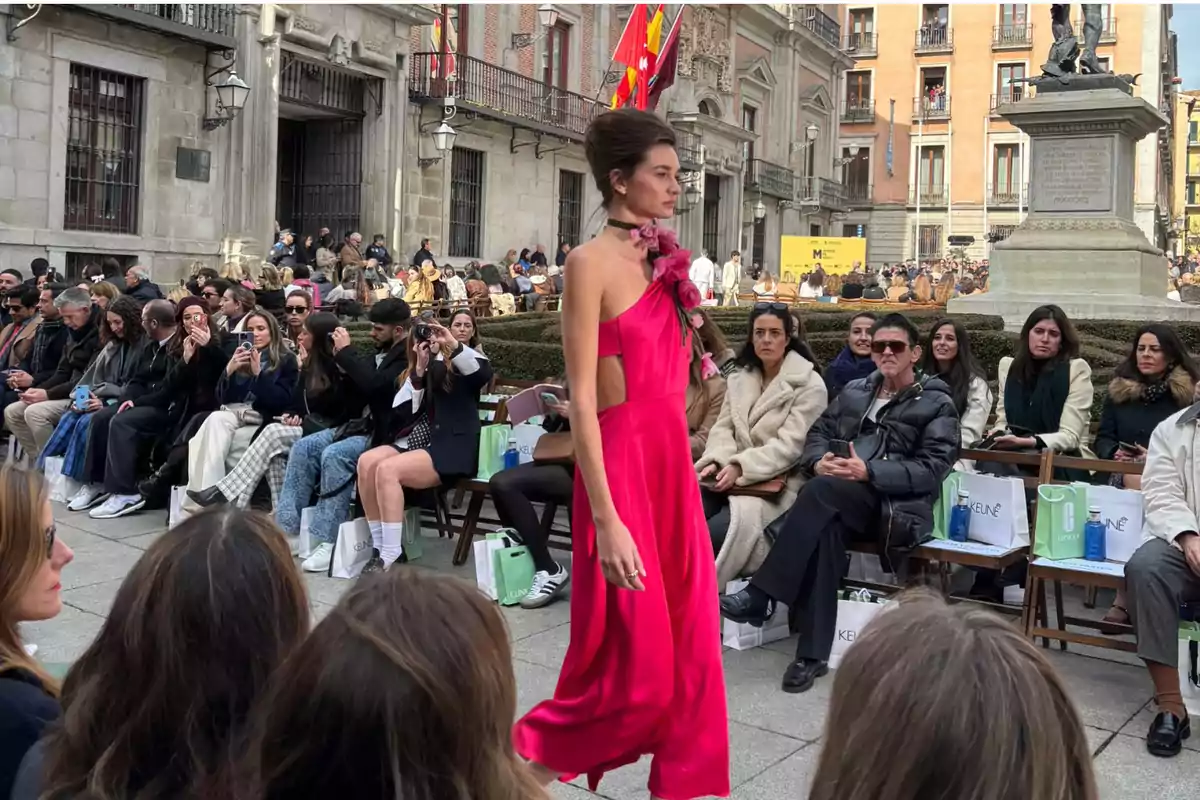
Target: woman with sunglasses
x=31 y=563
x=769 y=406
x=296 y=311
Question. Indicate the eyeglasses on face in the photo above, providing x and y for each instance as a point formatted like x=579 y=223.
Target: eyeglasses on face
x=770 y=306
x=894 y=346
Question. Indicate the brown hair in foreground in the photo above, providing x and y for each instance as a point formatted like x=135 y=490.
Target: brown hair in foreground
x=938 y=702
x=157 y=706
x=405 y=690
x=22 y=554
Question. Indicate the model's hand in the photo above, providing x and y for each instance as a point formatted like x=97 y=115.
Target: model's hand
x=1190 y=544
x=619 y=558
x=1010 y=442
x=189 y=349
x=19 y=379
x=727 y=478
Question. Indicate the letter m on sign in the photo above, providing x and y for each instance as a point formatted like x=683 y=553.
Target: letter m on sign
x=817 y=253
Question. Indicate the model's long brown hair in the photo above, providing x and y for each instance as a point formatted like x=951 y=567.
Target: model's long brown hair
x=969 y=707
x=405 y=690
x=22 y=554
x=157 y=706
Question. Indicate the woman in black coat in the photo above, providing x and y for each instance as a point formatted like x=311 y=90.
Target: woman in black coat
x=1157 y=379
x=431 y=438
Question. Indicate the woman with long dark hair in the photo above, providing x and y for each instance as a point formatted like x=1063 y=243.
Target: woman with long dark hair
x=432 y=719
x=770 y=403
x=324 y=397
x=158 y=705
x=32 y=558
x=947 y=354
x=642 y=573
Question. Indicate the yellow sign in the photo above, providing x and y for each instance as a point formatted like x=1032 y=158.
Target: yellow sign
x=835 y=254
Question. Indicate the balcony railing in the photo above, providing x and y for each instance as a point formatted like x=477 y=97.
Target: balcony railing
x=505 y=95
x=858 y=111
x=1010 y=94
x=931 y=108
x=860 y=45
x=210 y=24
x=688 y=148
x=1012 y=37
x=927 y=195
x=859 y=194
x=934 y=39
x=823 y=26
x=1108 y=30
x=826 y=193
x=770 y=179
x=1008 y=195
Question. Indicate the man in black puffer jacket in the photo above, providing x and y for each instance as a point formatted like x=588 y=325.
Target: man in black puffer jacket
x=902 y=436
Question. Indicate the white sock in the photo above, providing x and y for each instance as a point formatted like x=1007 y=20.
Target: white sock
x=393 y=542
x=376 y=533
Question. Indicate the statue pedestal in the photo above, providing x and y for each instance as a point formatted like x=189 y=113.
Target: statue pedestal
x=1079 y=247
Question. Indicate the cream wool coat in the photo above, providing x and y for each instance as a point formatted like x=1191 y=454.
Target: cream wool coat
x=763 y=432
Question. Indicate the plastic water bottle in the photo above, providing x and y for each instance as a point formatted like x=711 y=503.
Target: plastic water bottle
x=960 y=517
x=1093 y=536
x=512 y=457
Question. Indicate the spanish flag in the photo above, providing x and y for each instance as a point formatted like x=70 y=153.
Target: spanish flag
x=638 y=51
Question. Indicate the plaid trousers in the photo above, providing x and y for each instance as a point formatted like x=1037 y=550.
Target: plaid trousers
x=267 y=455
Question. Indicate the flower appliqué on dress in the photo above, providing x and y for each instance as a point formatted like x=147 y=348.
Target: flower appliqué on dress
x=671 y=265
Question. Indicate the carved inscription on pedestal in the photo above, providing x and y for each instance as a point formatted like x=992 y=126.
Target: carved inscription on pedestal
x=1072 y=174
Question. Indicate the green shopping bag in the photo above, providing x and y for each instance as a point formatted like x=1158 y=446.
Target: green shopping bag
x=414 y=548
x=514 y=574
x=944 y=505
x=1061 y=514
x=493 y=441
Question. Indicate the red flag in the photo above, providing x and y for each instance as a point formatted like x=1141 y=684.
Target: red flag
x=631 y=49
x=668 y=60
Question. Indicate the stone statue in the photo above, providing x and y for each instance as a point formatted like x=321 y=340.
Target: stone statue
x=1065 y=50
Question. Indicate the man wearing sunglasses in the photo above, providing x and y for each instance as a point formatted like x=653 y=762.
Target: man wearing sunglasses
x=876 y=459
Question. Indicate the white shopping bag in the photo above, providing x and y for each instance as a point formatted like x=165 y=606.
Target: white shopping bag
x=1189 y=666
x=1123 y=514
x=527 y=435
x=744 y=636
x=351 y=550
x=305 y=545
x=852 y=617
x=484 y=551
x=999 y=514
x=62 y=488
x=175 y=513
x=867 y=568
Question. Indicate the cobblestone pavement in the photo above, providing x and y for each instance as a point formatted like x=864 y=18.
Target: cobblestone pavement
x=775 y=737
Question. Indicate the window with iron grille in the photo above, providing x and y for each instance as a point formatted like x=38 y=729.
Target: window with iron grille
x=466 y=203
x=929 y=241
x=760 y=243
x=104 y=151
x=76 y=262
x=570 y=206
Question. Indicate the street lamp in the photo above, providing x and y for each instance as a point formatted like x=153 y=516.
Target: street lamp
x=232 y=94
x=760 y=211
x=811 y=131
x=852 y=150
x=548 y=17
x=443 y=135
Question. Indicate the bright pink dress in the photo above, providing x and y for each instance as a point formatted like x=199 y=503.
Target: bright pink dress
x=643 y=672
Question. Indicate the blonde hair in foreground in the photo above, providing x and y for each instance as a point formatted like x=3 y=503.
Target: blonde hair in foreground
x=938 y=702
x=22 y=554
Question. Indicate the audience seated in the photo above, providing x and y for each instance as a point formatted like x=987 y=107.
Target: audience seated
x=269 y=292
x=405 y=689
x=981 y=712
x=103 y=293
x=16 y=339
x=544 y=480
x=854 y=361
x=41 y=358
x=324 y=398
x=902 y=437
x=158 y=705
x=769 y=407
x=297 y=308
x=872 y=290
x=445 y=378
x=706 y=386
x=302 y=281
x=236 y=304
x=254 y=390
x=105 y=380
x=324 y=463
x=852 y=286
x=33 y=419
x=948 y=356
x=32 y=558
x=1165 y=571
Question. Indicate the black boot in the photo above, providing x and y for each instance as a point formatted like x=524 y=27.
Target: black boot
x=208 y=497
x=156 y=488
x=802 y=674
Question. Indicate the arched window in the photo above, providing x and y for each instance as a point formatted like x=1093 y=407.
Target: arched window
x=710 y=109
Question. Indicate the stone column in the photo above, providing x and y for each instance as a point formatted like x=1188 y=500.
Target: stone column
x=1079 y=246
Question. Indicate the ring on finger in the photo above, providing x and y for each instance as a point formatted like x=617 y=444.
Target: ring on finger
x=632 y=575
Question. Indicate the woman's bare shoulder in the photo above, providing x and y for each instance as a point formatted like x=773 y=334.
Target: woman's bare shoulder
x=587 y=262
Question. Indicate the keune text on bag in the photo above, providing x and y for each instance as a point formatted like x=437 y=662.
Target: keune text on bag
x=985 y=510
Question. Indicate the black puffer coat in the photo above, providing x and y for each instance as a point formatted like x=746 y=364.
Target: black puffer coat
x=918 y=432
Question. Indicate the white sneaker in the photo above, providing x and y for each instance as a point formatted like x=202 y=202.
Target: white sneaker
x=88 y=496
x=322 y=554
x=546 y=587
x=118 y=505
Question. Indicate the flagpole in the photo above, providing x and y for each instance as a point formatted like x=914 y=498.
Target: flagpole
x=612 y=58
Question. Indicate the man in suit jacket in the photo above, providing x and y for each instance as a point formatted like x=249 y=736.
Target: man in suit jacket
x=16 y=338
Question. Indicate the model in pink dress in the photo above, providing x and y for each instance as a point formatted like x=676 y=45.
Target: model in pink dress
x=643 y=674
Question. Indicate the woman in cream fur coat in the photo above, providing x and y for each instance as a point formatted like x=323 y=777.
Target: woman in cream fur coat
x=769 y=406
